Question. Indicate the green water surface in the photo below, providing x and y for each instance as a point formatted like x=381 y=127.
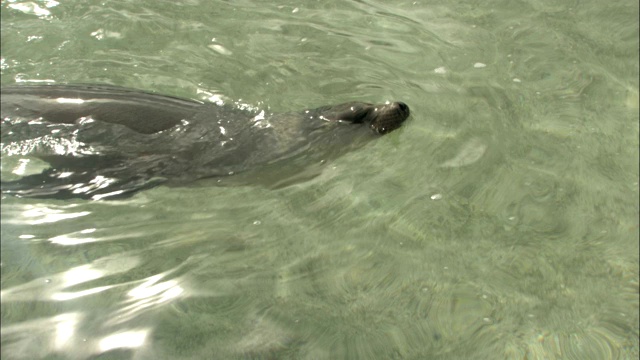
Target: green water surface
x=501 y=222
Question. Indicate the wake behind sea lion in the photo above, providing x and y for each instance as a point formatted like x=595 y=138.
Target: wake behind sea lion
x=107 y=142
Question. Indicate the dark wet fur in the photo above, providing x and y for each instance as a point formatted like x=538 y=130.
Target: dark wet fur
x=138 y=140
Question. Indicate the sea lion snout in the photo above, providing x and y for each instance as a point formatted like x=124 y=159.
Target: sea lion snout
x=389 y=117
x=381 y=118
x=402 y=106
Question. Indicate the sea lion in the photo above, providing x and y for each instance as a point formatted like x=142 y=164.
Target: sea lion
x=108 y=142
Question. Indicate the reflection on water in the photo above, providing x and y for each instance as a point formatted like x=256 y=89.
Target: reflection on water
x=69 y=329
x=55 y=288
x=501 y=223
x=42 y=215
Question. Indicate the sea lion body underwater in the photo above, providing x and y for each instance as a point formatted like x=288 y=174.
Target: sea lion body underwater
x=108 y=142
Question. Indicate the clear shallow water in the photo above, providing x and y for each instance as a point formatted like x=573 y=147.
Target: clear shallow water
x=500 y=222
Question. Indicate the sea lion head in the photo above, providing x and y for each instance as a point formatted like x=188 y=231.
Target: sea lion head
x=380 y=118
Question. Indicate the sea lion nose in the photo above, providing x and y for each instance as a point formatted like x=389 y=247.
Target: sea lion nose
x=402 y=107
